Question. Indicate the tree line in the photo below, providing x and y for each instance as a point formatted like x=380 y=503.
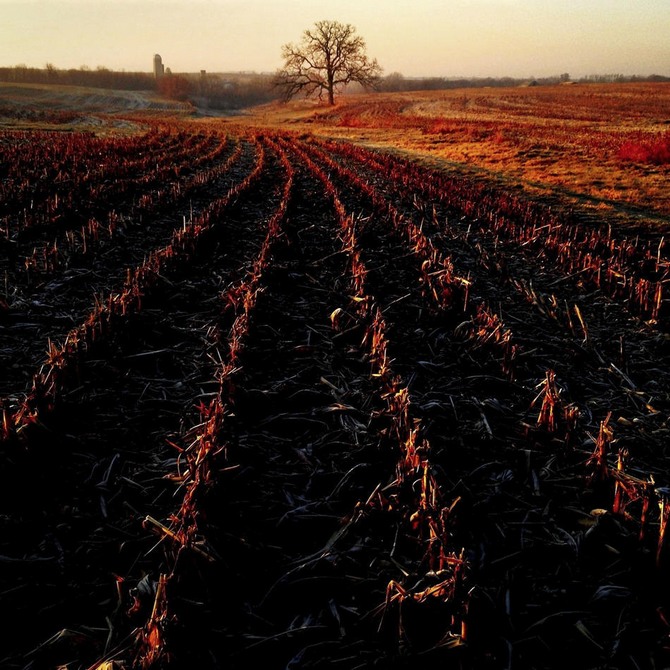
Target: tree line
x=396 y=82
x=215 y=90
x=100 y=77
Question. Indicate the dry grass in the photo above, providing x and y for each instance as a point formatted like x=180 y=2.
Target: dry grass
x=558 y=141
x=575 y=145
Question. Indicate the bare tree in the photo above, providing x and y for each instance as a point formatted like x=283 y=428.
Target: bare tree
x=330 y=56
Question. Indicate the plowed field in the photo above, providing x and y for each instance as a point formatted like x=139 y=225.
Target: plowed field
x=274 y=401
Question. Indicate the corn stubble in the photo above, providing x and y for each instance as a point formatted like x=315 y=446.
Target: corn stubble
x=430 y=425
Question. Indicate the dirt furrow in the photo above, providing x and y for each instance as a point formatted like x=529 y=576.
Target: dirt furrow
x=101 y=463
x=605 y=359
x=49 y=309
x=301 y=444
x=504 y=465
x=339 y=422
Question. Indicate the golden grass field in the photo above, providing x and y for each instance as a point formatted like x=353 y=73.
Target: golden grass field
x=568 y=142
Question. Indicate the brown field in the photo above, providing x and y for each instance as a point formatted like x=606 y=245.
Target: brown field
x=568 y=142
x=383 y=385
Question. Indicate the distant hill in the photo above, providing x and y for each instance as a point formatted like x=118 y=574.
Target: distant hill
x=79 y=99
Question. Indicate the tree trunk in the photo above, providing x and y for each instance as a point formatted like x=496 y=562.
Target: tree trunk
x=331 y=85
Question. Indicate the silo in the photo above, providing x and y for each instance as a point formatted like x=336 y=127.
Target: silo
x=159 y=69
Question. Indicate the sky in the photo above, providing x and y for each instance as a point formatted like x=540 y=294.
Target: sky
x=424 y=38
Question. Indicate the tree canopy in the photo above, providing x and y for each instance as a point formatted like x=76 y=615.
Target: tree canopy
x=329 y=56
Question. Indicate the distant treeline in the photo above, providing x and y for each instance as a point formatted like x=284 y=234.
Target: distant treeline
x=221 y=91
x=397 y=82
x=239 y=90
x=229 y=91
x=233 y=90
x=101 y=77
x=217 y=91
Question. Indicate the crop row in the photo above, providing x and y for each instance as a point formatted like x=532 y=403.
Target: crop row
x=425 y=514
x=632 y=269
x=412 y=404
x=61 y=362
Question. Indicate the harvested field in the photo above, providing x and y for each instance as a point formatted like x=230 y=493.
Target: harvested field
x=273 y=399
x=602 y=147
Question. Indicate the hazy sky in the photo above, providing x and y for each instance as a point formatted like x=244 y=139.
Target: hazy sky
x=519 y=38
